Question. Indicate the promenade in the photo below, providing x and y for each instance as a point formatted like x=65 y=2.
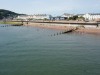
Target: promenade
x=62 y=22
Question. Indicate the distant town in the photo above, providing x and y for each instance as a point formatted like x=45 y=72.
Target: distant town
x=9 y=15
x=65 y=16
x=82 y=23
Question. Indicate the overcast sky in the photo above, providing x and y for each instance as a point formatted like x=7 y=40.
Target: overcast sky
x=54 y=7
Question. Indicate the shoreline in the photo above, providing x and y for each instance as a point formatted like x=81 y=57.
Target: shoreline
x=89 y=31
x=65 y=27
x=47 y=26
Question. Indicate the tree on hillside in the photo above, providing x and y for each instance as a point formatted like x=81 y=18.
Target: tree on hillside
x=8 y=14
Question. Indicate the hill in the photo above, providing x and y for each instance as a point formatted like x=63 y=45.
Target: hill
x=7 y=14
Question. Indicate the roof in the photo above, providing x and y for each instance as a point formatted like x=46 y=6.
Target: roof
x=94 y=13
x=80 y=14
x=67 y=14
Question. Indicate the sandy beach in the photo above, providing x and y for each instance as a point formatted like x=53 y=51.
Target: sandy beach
x=65 y=27
x=48 y=26
x=89 y=30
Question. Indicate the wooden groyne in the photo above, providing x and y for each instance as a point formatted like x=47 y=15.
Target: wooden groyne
x=17 y=24
x=66 y=31
x=70 y=30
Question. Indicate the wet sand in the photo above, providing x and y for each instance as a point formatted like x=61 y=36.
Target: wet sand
x=65 y=27
x=49 y=26
x=89 y=30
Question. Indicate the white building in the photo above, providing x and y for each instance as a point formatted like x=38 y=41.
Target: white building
x=40 y=16
x=66 y=15
x=92 y=16
x=22 y=17
x=35 y=16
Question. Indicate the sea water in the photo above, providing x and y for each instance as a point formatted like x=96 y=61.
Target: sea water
x=28 y=50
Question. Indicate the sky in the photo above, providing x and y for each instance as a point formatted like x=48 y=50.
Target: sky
x=53 y=7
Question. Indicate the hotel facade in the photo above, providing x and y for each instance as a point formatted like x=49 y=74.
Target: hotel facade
x=67 y=15
x=92 y=16
x=34 y=17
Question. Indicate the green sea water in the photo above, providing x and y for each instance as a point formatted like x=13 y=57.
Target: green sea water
x=37 y=51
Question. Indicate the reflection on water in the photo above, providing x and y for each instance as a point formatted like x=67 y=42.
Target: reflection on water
x=33 y=51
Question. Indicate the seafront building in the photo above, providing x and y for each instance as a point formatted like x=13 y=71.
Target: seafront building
x=92 y=16
x=67 y=15
x=89 y=16
x=34 y=17
x=24 y=17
